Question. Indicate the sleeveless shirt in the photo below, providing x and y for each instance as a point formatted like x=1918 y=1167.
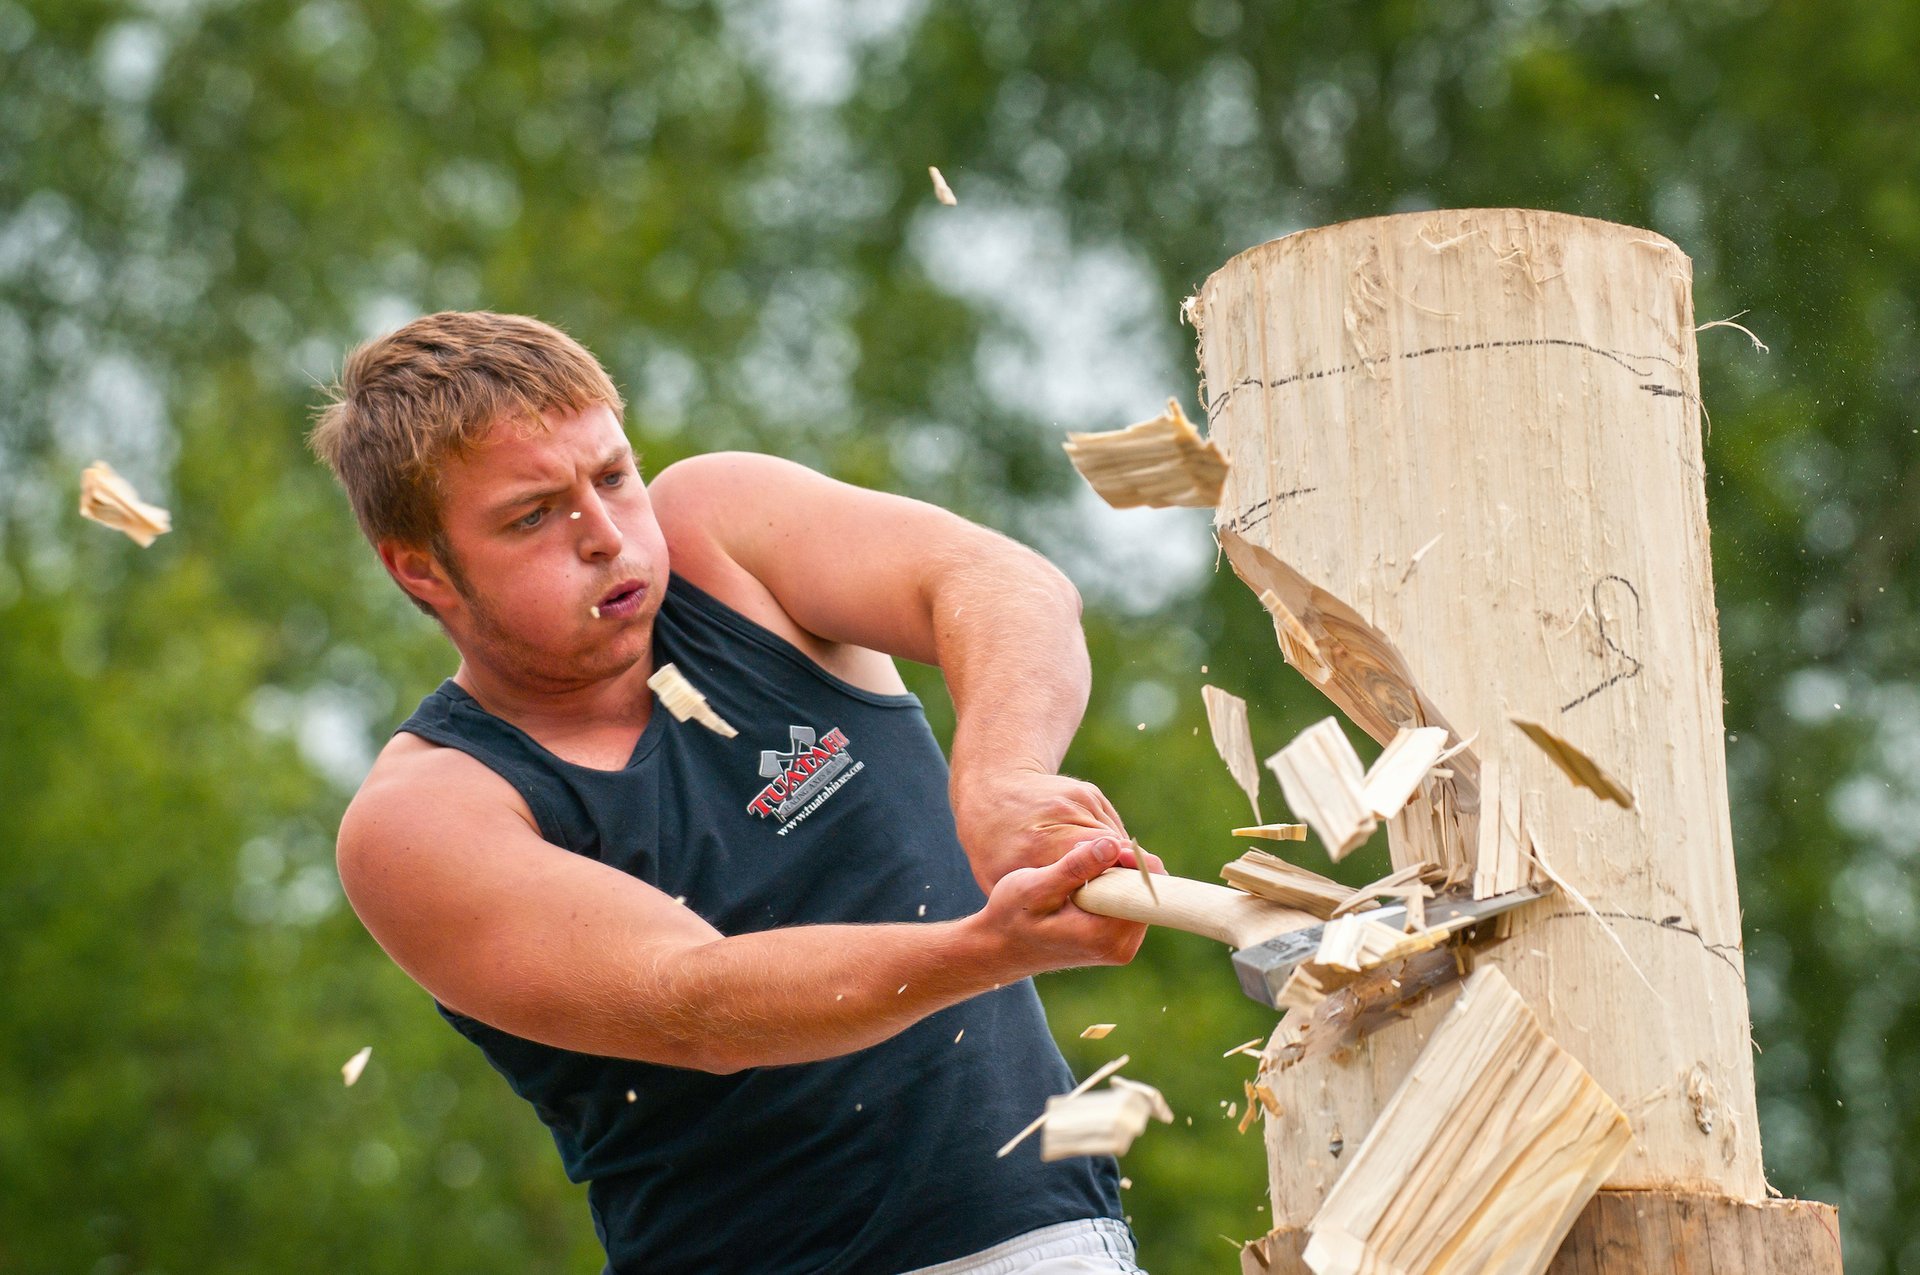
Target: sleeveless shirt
x=830 y=807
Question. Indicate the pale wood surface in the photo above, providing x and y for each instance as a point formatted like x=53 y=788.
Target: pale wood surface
x=1487 y=1152
x=1523 y=387
x=1653 y=1233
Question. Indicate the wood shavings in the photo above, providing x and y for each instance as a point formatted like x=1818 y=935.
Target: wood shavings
x=1358 y=943
x=1321 y=779
x=1246 y=1047
x=1401 y=883
x=350 y=1070
x=1271 y=877
x=1275 y=831
x=1297 y=646
x=1159 y=464
x=109 y=499
x=1074 y=1092
x=941 y=191
x=1233 y=740
x=1253 y=1108
x=1575 y=764
x=1482 y=1158
x=1728 y=322
x=1098 y=1031
x=686 y=703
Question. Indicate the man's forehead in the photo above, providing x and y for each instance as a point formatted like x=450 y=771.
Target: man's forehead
x=516 y=454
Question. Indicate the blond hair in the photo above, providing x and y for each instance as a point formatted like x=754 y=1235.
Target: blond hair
x=408 y=401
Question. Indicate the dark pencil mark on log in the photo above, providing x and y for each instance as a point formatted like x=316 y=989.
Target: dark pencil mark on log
x=1722 y=950
x=1616 y=356
x=1247 y=518
x=1663 y=391
x=1600 y=618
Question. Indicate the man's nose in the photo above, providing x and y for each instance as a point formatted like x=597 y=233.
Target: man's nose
x=599 y=535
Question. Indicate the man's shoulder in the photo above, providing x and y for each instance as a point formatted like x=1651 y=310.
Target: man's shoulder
x=414 y=779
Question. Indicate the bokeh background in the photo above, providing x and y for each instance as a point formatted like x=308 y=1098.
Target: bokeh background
x=204 y=203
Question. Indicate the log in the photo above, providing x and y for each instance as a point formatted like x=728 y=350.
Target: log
x=1651 y=1233
x=1465 y=456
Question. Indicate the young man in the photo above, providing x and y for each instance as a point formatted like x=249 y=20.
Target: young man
x=770 y=992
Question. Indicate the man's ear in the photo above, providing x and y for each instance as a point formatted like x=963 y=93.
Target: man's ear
x=417 y=570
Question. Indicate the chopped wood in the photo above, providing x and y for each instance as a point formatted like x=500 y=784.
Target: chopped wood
x=1158 y=463
x=109 y=499
x=1297 y=646
x=1267 y=1100
x=1500 y=861
x=1358 y=943
x=1098 y=1031
x=1074 y=1092
x=941 y=191
x=1320 y=776
x=1272 y=877
x=684 y=702
x=1253 y=1107
x=1401 y=767
x=1102 y=1122
x=1482 y=1158
x=1576 y=765
x=1274 y=831
x=351 y=1069
x=1247 y=1048
x=1233 y=740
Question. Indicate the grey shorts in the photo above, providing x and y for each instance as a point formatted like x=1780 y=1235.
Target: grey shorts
x=1092 y=1246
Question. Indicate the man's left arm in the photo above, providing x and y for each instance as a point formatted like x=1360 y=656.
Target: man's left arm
x=909 y=579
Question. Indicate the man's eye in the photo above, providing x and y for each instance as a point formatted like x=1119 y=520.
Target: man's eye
x=530 y=521
x=615 y=478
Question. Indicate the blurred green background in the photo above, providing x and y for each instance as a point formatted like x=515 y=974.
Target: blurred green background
x=203 y=203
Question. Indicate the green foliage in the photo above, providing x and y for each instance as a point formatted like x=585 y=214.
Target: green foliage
x=202 y=204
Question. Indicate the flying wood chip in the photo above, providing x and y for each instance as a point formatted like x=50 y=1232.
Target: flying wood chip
x=1321 y=778
x=1103 y=1122
x=350 y=1070
x=941 y=191
x=1227 y=720
x=684 y=702
x=1579 y=767
x=1159 y=463
x=110 y=500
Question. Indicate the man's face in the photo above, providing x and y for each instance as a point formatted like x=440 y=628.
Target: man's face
x=544 y=529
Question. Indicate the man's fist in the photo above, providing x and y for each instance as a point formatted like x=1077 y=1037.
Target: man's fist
x=1017 y=818
x=1032 y=915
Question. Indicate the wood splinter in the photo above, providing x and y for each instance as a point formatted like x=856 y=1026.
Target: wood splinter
x=684 y=702
x=1576 y=765
x=1323 y=783
x=1274 y=831
x=1103 y=1121
x=1271 y=877
x=1233 y=740
x=1159 y=464
x=109 y=499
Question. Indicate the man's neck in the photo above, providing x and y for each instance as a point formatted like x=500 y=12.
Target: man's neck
x=555 y=710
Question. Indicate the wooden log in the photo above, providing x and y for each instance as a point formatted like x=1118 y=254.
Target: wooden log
x=1652 y=1233
x=1465 y=453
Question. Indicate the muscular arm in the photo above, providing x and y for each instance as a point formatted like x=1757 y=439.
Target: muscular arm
x=497 y=923
x=900 y=576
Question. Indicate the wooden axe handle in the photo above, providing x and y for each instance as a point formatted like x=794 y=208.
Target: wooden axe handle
x=1217 y=912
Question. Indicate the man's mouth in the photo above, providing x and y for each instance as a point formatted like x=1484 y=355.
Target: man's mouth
x=621 y=600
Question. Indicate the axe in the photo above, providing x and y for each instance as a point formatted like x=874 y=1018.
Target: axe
x=1268 y=939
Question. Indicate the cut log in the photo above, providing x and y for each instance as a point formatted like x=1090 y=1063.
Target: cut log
x=1483 y=1158
x=1227 y=721
x=1158 y=463
x=1271 y=877
x=1523 y=385
x=1321 y=778
x=685 y=703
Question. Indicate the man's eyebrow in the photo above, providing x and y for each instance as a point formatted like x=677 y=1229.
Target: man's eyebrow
x=618 y=455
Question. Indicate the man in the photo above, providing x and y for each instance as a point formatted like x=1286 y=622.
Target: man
x=769 y=992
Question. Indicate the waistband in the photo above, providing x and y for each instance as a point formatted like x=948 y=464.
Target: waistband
x=1097 y=1237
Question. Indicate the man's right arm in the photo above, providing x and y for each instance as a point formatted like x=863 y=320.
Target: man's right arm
x=443 y=864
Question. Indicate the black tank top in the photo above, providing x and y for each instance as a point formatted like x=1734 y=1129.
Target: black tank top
x=830 y=807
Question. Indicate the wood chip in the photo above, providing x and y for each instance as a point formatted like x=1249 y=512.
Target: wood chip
x=1103 y=1122
x=1274 y=831
x=1233 y=740
x=1321 y=778
x=1074 y=1092
x=109 y=499
x=1271 y=877
x=941 y=191
x=1297 y=646
x=684 y=702
x=1401 y=767
x=1482 y=1158
x=1500 y=860
x=351 y=1069
x=1246 y=1048
x=1576 y=765
x=1098 y=1031
x=1161 y=463
x=1401 y=883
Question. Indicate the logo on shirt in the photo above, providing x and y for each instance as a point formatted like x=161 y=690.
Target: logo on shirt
x=801 y=779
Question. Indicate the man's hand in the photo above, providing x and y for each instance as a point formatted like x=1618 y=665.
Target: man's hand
x=1021 y=818
x=1031 y=914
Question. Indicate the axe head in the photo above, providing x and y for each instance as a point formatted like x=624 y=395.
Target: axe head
x=1263 y=968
